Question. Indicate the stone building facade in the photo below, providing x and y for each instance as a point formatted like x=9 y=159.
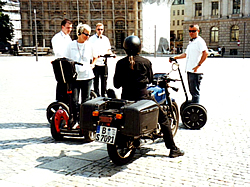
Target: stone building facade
x=176 y=25
x=120 y=17
x=222 y=22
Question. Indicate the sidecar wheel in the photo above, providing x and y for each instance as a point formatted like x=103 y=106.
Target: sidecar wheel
x=194 y=116
x=122 y=152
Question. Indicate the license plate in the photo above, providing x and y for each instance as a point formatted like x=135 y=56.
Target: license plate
x=106 y=134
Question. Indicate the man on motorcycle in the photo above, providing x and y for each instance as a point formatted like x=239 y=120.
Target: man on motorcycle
x=133 y=73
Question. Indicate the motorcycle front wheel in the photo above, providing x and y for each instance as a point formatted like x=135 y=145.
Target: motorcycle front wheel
x=122 y=151
x=174 y=120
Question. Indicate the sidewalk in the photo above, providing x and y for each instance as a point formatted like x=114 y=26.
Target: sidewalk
x=216 y=155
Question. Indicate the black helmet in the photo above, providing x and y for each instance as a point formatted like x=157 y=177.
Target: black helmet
x=132 y=45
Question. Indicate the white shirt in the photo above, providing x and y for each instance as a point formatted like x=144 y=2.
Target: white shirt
x=101 y=47
x=59 y=44
x=194 y=53
x=83 y=53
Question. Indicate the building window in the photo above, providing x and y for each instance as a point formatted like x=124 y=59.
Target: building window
x=178 y=12
x=214 y=35
x=178 y=2
x=174 y=23
x=198 y=9
x=235 y=33
x=215 y=9
x=180 y=35
x=236 y=6
x=182 y=12
x=178 y=22
x=173 y=12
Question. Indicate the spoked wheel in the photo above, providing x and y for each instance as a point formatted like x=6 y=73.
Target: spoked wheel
x=194 y=116
x=174 y=120
x=89 y=135
x=122 y=151
x=53 y=107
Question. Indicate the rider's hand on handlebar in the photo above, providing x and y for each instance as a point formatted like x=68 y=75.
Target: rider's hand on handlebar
x=171 y=59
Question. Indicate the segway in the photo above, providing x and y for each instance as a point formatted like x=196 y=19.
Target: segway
x=60 y=115
x=193 y=115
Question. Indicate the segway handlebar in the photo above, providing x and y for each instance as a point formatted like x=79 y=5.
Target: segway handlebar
x=172 y=59
x=78 y=63
x=108 y=56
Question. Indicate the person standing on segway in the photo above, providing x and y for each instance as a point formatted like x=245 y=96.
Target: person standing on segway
x=102 y=46
x=59 y=44
x=195 y=54
x=133 y=73
x=81 y=51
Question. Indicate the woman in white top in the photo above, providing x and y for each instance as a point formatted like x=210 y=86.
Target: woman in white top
x=80 y=50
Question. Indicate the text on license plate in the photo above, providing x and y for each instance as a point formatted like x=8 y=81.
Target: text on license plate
x=106 y=134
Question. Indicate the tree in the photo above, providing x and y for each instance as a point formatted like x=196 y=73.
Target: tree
x=6 y=27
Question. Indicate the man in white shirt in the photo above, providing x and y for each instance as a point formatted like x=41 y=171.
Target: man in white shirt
x=195 y=54
x=60 y=42
x=62 y=39
x=101 y=46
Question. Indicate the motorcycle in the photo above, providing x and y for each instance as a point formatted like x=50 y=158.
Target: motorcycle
x=122 y=124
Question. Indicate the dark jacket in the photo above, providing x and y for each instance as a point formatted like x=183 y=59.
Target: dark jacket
x=133 y=81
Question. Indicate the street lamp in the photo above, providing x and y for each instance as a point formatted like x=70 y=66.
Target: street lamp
x=36 y=35
x=78 y=12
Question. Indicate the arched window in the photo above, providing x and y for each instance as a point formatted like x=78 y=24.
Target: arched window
x=214 y=34
x=235 y=33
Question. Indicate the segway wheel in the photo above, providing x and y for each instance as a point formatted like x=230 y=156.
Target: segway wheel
x=184 y=105
x=194 y=116
x=93 y=95
x=53 y=107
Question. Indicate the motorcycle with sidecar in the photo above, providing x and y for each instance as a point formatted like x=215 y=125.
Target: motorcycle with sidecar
x=122 y=124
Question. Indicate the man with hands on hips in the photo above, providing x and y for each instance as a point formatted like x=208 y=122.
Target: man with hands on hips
x=195 y=55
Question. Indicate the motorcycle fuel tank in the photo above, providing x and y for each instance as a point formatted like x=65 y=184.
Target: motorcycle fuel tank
x=159 y=93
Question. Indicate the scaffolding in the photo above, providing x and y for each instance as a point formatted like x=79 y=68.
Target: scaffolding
x=120 y=18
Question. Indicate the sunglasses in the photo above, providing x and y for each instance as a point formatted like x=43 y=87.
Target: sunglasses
x=85 y=34
x=193 y=31
x=100 y=29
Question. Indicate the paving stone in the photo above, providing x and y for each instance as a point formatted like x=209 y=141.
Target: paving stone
x=216 y=155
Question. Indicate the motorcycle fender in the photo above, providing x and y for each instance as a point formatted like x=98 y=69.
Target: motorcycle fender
x=60 y=115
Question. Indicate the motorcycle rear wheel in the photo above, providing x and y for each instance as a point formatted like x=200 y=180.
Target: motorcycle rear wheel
x=122 y=152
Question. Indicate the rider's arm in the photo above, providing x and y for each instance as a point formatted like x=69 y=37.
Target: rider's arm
x=93 y=62
x=203 y=58
x=183 y=55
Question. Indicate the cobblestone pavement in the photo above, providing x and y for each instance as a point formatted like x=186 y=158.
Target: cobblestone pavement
x=216 y=155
